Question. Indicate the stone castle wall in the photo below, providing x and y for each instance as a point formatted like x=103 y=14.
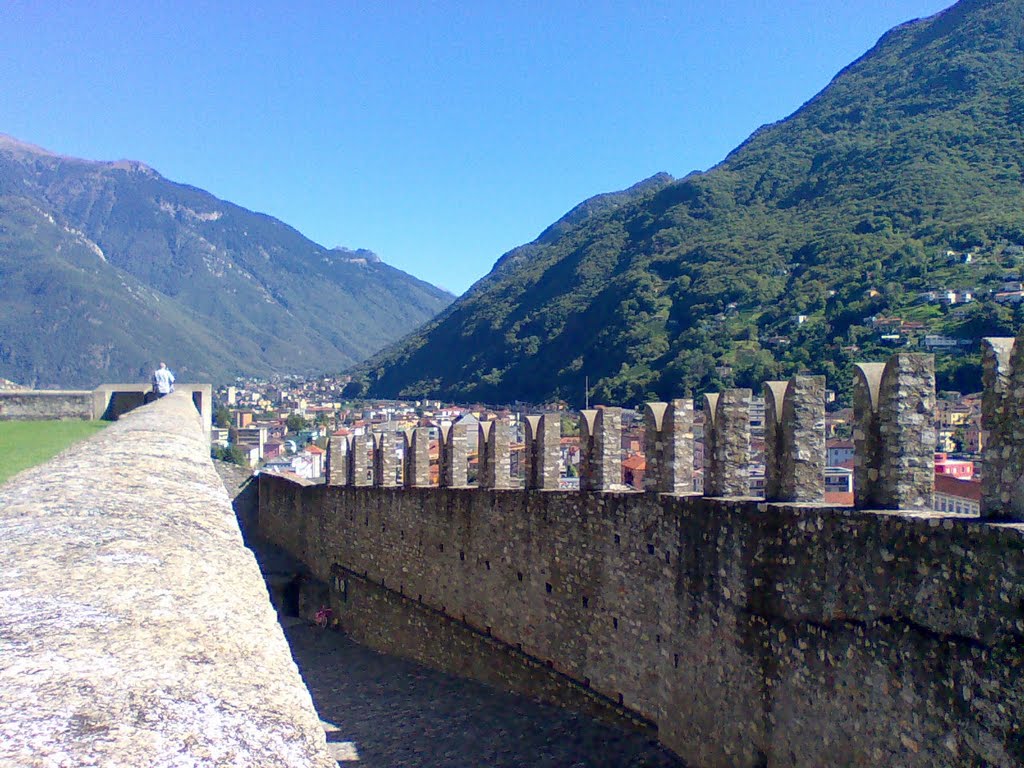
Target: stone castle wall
x=135 y=628
x=750 y=633
x=107 y=401
x=24 y=405
x=779 y=633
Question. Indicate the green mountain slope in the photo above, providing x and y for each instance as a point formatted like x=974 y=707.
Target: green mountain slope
x=784 y=257
x=107 y=267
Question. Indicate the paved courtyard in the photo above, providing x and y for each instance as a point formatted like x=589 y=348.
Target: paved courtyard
x=383 y=711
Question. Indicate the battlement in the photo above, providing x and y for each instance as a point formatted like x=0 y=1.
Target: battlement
x=748 y=632
x=894 y=442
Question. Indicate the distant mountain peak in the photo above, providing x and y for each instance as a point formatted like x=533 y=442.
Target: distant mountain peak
x=129 y=267
x=23 y=150
x=14 y=145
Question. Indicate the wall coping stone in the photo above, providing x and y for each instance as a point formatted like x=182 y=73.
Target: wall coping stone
x=135 y=625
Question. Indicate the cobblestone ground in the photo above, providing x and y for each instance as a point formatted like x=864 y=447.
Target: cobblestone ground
x=393 y=712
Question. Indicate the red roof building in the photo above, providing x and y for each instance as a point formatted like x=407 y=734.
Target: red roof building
x=955 y=495
x=633 y=470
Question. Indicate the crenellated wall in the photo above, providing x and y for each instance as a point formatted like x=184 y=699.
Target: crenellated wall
x=751 y=633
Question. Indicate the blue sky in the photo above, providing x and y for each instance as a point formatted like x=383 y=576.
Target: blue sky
x=438 y=134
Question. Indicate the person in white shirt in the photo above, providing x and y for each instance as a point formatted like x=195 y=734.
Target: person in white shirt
x=163 y=380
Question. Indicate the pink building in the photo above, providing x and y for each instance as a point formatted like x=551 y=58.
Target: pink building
x=962 y=470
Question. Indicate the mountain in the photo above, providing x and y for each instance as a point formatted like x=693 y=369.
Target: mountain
x=108 y=267
x=897 y=184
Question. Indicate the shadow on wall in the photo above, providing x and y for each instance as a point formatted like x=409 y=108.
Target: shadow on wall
x=243 y=490
x=123 y=402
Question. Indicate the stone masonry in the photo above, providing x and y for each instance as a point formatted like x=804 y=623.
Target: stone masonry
x=600 y=449
x=360 y=456
x=753 y=634
x=337 y=471
x=385 y=460
x=1002 y=414
x=417 y=458
x=996 y=407
x=494 y=459
x=668 y=446
x=794 y=444
x=727 y=443
x=454 y=471
x=894 y=433
x=135 y=628
x=543 y=451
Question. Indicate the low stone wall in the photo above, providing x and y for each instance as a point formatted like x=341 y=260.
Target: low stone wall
x=135 y=627
x=25 y=405
x=107 y=401
x=752 y=634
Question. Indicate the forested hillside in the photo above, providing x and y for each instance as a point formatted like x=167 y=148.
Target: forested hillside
x=885 y=213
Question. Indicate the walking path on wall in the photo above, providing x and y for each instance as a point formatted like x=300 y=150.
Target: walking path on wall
x=387 y=711
x=380 y=710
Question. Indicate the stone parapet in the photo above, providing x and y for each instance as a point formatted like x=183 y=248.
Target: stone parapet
x=416 y=470
x=894 y=433
x=360 y=460
x=1002 y=407
x=543 y=451
x=494 y=455
x=33 y=404
x=751 y=633
x=794 y=441
x=107 y=401
x=727 y=443
x=600 y=449
x=385 y=460
x=136 y=628
x=337 y=471
x=454 y=455
x=668 y=447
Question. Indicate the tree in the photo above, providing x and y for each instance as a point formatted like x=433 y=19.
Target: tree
x=222 y=416
x=295 y=423
x=231 y=454
x=353 y=390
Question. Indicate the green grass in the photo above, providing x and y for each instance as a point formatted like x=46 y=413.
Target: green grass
x=24 y=444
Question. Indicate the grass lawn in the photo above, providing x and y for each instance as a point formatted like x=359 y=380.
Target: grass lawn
x=24 y=444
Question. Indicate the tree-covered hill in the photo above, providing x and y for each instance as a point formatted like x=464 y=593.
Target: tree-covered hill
x=106 y=268
x=900 y=183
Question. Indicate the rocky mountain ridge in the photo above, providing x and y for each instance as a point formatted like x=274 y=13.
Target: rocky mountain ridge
x=106 y=267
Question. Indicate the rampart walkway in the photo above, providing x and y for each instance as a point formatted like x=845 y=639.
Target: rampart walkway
x=134 y=624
